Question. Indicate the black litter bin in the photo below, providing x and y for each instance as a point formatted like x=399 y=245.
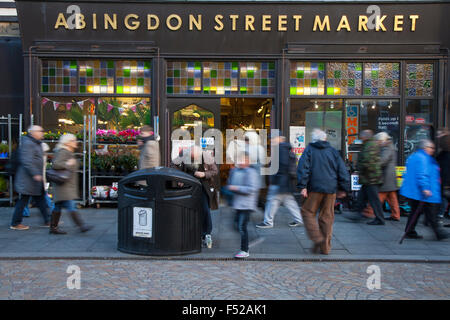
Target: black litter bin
x=161 y=217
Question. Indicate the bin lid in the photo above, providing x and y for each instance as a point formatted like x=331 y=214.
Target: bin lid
x=158 y=171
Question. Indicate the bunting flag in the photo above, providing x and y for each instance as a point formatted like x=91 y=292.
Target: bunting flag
x=81 y=103
x=110 y=107
x=133 y=108
x=69 y=105
x=55 y=105
x=121 y=110
x=45 y=100
x=143 y=102
x=92 y=100
x=100 y=101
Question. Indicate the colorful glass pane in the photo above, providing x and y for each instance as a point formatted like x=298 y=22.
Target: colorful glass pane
x=184 y=77
x=419 y=79
x=59 y=76
x=344 y=78
x=381 y=79
x=96 y=76
x=307 y=78
x=220 y=78
x=133 y=77
x=257 y=78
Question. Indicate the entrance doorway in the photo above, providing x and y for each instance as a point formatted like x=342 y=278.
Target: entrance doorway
x=248 y=114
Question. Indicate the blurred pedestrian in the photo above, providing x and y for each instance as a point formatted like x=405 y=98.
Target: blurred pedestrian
x=370 y=177
x=206 y=171
x=244 y=183
x=149 y=149
x=26 y=211
x=443 y=159
x=65 y=193
x=388 y=190
x=421 y=185
x=321 y=176
x=29 y=179
x=281 y=187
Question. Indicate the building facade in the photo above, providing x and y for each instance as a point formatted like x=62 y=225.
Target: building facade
x=292 y=65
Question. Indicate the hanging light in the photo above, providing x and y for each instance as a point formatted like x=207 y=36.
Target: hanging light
x=390 y=104
x=374 y=105
x=362 y=104
x=316 y=106
x=332 y=105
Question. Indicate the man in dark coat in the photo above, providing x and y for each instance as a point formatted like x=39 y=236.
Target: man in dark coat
x=281 y=187
x=29 y=180
x=321 y=172
x=370 y=177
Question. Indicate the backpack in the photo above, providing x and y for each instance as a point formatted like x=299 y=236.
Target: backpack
x=13 y=164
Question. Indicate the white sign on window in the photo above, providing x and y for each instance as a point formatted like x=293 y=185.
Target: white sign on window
x=142 y=222
x=355 y=183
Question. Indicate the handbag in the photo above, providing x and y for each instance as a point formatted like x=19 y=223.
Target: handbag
x=58 y=177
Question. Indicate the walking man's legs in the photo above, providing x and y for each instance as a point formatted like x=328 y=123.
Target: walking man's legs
x=42 y=205
x=292 y=205
x=309 y=209
x=413 y=218
x=372 y=194
x=272 y=206
x=18 y=210
x=393 y=204
x=326 y=220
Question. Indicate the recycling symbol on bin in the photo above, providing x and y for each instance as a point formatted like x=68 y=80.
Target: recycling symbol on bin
x=142 y=217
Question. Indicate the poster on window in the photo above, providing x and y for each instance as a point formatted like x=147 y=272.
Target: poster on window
x=297 y=140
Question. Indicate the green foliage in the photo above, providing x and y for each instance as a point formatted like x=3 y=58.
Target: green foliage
x=4 y=147
x=76 y=115
x=3 y=184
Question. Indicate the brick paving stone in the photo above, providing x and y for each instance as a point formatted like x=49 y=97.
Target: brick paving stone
x=209 y=280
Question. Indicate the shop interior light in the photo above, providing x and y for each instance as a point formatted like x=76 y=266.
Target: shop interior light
x=362 y=104
x=374 y=105
x=332 y=105
x=390 y=105
x=316 y=105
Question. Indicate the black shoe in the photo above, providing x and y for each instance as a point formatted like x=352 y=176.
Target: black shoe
x=413 y=236
x=392 y=219
x=376 y=222
x=443 y=236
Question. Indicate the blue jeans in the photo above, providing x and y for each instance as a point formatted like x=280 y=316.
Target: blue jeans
x=207 y=221
x=26 y=211
x=69 y=205
x=243 y=218
x=20 y=206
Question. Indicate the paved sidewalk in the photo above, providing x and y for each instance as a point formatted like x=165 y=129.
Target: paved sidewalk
x=352 y=241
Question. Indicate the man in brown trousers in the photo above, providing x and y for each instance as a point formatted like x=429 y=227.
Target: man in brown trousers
x=321 y=172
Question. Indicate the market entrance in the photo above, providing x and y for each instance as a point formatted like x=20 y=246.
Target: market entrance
x=248 y=114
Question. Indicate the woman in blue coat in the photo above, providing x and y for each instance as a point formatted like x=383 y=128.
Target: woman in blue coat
x=422 y=186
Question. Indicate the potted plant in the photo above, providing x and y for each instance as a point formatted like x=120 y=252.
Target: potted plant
x=129 y=163
x=3 y=186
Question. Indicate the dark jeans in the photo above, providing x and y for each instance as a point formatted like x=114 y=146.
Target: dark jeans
x=431 y=211
x=23 y=202
x=369 y=193
x=243 y=218
x=207 y=222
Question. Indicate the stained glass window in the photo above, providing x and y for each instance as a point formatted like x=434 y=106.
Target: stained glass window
x=257 y=78
x=96 y=76
x=133 y=77
x=59 y=76
x=307 y=78
x=184 y=77
x=381 y=79
x=419 y=79
x=220 y=77
x=344 y=78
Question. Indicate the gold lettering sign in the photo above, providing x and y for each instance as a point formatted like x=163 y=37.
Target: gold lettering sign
x=233 y=22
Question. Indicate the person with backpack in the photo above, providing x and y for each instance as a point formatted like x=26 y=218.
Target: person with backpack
x=321 y=176
x=281 y=187
x=29 y=177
